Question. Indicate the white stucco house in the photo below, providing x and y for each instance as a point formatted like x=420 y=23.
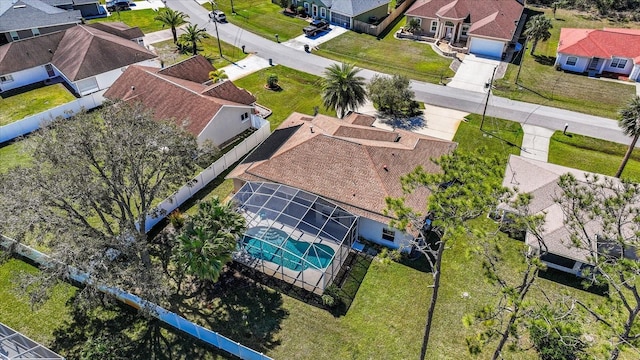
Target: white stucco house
x=348 y=163
x=595 y=52
x=217 y=112
x=484 y=28
x=86 y=58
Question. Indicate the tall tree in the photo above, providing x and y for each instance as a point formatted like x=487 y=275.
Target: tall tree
x=603 y=220
x=393 y=96
x=208 y=240
x=172 y=19
x=343 y=89
x=94 y=180
x=629 y=122
x=193 y=36
x=469 y=185
x=537 y=29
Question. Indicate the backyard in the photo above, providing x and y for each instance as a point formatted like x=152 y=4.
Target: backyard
x=30 y=100
x=167 y=52
x=539 y=82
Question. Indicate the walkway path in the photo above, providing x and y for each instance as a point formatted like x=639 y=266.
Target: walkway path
x=535 y=142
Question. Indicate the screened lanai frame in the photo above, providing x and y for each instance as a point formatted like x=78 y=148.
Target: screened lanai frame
x=294 y=235
x=14 y=346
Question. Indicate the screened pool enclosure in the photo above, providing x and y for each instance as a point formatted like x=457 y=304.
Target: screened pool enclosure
x=294 y=235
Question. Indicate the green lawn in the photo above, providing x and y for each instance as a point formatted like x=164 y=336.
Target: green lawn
x=38 y=323
x=593 y=155
x=300 y=92
x=261 y=17
x=11 y=155
x=16 y=106
x=140 y=18
x=389 y=55
x=501 y=137
x=166 y=51
x=543 y=84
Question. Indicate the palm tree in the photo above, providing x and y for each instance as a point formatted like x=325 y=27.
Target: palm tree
x=218 y=75
x=629 y=122
x=342 y=88
x=207 y=242
x=413 y=26
x=538 y=29
x=172 y=19
x=193 y=36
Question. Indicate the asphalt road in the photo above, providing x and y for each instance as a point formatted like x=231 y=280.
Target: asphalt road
x=438 y=95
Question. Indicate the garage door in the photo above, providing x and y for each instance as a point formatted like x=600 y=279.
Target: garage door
x=486 y=47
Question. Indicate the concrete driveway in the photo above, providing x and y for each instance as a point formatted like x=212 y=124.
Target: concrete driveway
x=302 y=40
x=474 y=73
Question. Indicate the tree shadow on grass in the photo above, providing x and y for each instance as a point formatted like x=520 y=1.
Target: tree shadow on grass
x=117 y=331
x=545 y=60
x=238 y=308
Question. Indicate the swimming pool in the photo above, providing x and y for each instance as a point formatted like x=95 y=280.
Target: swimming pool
x=267 y=243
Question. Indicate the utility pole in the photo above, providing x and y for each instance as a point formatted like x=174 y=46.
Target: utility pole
x=233 y=11
x=484 y=112
x=215 y=23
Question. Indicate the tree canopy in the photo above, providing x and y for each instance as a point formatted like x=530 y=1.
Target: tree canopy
x=538 y=29
x=172 y=19
x=629 y=122
x=393 y=96
x=343 y=89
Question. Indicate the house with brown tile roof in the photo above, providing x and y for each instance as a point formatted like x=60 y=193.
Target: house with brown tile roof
x=86 y=58
x=540 y=179
x=595 y=51
x=354 y=166
x=216 y=112
x=485 y=28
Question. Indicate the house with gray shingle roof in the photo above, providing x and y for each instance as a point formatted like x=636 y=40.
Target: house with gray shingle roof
x=27 y=18
x=86 y=58
x=349 y=163
x=344 y=12
x=540 y=179
x=217 y=112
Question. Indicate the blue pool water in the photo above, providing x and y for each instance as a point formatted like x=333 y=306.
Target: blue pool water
x=318 y=255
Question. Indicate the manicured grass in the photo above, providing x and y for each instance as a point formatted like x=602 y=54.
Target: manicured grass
x=11 y=155
x=389 y=55
x=501 y=137
x=167 y=51
x=593 y=155
x=140 y=18
x=38 y=323
x=33 y=100
x=300 y=92
x=261 y=17
x=541 y=83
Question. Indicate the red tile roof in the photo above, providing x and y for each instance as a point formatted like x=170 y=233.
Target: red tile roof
x=356 y=172
x=605 y=43
x=490 y=18
x=169 y=97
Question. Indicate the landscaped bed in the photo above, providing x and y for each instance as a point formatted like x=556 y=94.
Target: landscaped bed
x=17 y=104
x=541 y=83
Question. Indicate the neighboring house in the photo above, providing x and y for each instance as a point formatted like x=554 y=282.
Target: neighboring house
x=347 y=163
x=28 y=18
x=485 y=28
x=344 y=12
x=217 y=112
x=540 y=179
x=122 y=30
x=596 y=51
x=86 y=58
x=88 y=8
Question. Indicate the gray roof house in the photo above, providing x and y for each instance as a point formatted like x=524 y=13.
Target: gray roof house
x=27 y=18
x=540 y=179
x=344 y=12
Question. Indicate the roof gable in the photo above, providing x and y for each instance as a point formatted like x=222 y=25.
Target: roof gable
x=605 y=43
x=119 y=29
x=29 y=53
x=195 y=69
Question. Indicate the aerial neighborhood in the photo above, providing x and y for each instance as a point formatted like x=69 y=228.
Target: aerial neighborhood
x=319 y=179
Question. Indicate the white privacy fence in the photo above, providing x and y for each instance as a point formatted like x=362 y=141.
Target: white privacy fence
x=33 y=122
x=168 y=317
x=209 y=174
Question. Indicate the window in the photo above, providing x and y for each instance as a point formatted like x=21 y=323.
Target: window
x=306 y=7
x=434 y=26
x=14 y=35
x=571 y=61
x=388 y=234
x=323 y=12
x=244 y=116
x=35 y=32
x=619 y=63
x=6 y=78
x=465 y=30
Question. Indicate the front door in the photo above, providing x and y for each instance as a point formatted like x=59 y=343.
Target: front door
x=594 y=64
x=314 y=11
x=448 y=32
